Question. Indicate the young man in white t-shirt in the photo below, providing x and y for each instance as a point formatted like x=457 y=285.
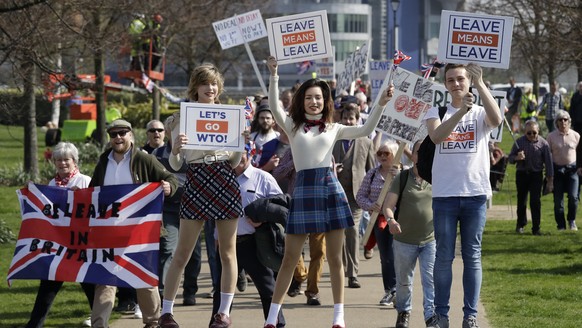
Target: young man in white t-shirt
x=460 y=185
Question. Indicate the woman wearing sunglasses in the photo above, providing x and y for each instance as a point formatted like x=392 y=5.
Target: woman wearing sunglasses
x=366 y=198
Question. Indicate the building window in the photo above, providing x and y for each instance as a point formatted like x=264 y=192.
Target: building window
x=344 y=48
x=332 y=22
x=347 y=23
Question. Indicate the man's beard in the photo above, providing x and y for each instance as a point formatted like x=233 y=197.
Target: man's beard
x=121 y=149
x=264 y=130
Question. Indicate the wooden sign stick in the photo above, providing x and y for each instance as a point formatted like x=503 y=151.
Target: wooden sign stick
x=383 y=192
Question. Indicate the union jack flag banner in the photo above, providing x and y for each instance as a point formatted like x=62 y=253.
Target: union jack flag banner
x=105 y=235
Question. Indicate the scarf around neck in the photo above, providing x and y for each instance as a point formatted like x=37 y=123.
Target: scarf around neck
x=63 y=182
x=314 y=120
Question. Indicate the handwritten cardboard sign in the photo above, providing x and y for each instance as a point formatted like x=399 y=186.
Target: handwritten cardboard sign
x=360 y=60
x=413 y=97
x=242 y=28
x=301 y=37
x=355 y=66
x=477 y=38
x=212 y=127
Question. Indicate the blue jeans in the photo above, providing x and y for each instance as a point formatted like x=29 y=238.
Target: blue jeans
x=470 y=213
x=384 y=241
x=565 y=181
x=405 y=256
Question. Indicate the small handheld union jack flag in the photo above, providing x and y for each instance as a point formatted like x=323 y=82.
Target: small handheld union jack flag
x=430 y=70
x=248 y=108
x=248 y=112
x=148 y=84
x=303 y=67
x=426 y=69
x=399 y=57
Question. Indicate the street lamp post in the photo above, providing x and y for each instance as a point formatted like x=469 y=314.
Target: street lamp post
x=395 y=5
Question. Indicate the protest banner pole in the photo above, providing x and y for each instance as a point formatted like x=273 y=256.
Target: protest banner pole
x=510 y=132
x=254 y=63
x=383 y=193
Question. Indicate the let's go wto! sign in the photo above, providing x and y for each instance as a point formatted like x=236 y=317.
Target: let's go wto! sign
x=212 y=127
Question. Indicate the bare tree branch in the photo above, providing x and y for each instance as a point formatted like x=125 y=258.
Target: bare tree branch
x=21 y=7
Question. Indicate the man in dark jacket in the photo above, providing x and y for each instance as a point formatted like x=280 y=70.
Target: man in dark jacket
x=125 y=164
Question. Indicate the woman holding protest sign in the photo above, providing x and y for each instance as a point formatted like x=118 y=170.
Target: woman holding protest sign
x=65 y=157
x=367 y=197
x=319 y=202
x=211 y=192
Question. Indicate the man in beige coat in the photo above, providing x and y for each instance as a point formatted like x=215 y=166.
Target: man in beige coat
x=353 y=160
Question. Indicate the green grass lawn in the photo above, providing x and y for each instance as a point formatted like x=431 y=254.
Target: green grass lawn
x=528 y=281
x=12 y=145
x=70 y=307
x=531 y=281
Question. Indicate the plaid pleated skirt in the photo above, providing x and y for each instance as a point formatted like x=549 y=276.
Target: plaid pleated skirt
x=211 y=192
x=319 y=203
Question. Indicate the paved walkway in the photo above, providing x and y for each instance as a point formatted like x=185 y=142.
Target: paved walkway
x=361 y=309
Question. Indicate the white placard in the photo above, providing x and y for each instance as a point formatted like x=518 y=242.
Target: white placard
x=378 y=71
x=413 y=97
x=297 y=38
x=236 y=30
x=355 y=66
x=325 y=68
x=475 y=38
x=213 y=127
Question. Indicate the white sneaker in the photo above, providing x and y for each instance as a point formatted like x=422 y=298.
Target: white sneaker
x=573 y=226
x=137 y=312
x=87 y=322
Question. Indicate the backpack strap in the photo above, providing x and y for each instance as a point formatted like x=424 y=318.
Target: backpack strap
x=442 y=111
x=403 y=179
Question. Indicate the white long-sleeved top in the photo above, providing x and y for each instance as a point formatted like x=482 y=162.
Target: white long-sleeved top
x=313 y=149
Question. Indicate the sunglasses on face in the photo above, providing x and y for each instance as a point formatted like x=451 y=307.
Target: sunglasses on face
x=114 y=134
x=563 y=119
x=530 y=133
x=383 y=153
x=156 y=130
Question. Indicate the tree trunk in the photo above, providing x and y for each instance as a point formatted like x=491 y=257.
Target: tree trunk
x=56 y=109
x=99 y=64
x=100 y=97
x=30 y=138
x=156 y=103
